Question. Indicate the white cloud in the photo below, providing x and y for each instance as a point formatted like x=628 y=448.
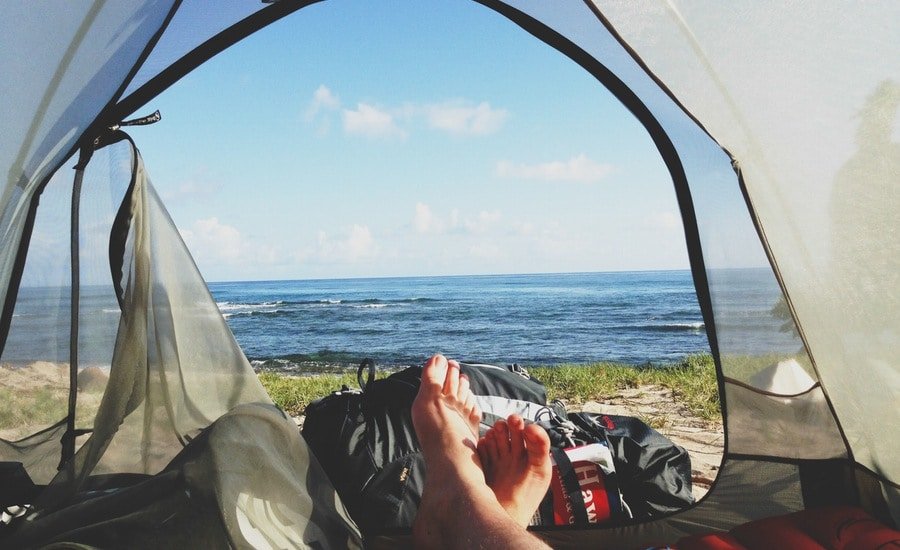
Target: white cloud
x=211 y=239
x=357 y=244
x=459 y=117
x=425 y=221
x=370 y=121
x=485 y=221
x=360 y=243
x=323 y=99
x=580 y=169
x=215 y=244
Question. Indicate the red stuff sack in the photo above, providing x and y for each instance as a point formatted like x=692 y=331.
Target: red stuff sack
x=583 y=488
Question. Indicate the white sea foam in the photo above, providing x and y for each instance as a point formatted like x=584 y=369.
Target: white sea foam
x=247 y=308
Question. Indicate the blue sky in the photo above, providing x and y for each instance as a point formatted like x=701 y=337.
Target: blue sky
x=406 y=138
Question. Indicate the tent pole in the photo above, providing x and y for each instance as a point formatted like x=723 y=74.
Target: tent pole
x=68 y=442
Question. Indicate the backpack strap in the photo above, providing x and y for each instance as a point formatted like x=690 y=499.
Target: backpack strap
x=367 y=363
x=570 y=485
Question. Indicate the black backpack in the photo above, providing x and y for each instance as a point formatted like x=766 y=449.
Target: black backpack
x=365 y=441
x=650 y=474
x=653 y=473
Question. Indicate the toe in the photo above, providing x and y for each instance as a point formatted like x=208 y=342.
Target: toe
x=516 y=441
x=491 y=447
x=434 y=373
x=537 y=444
x=467 y=413
x=475 y=413
x=451 y=380
x=468 y=404
x=463 y=392
x=502 y=437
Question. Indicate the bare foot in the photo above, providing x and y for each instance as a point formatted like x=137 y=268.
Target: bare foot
x=444 y=429
x=516 y=462
x=458 y=509
x=444 y=412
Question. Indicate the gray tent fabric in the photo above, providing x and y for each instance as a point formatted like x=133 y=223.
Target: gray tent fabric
x=247 y=482
x=177 y=381
x=777 y=122
x=808 y=116
x=61 y=69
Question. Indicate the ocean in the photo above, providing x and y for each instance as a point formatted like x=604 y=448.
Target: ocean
x=309 y=325
x=546 y=319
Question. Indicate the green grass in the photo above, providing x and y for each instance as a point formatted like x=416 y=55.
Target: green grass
x=41 y=407
x=693 y=380
x=294 y=393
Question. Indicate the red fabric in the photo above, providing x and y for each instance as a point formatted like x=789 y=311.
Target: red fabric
x=591 y=481
x=712 y=541
x=777 y=532
x=839 y=526
x=833 y=528
x=883 y=538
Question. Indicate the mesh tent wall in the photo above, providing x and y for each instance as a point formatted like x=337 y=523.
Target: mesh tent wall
x=783 y=111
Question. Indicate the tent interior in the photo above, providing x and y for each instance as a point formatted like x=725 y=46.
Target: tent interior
x=786 y=112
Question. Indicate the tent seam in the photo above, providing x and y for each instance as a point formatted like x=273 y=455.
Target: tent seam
x=754 y=389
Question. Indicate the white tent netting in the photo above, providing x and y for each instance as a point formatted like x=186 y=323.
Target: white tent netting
x=805 y=97
x=802 y=98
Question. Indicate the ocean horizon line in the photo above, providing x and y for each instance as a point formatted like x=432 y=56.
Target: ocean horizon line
x=485 y=275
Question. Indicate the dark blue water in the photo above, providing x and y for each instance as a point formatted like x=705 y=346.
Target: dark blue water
x=634 y=317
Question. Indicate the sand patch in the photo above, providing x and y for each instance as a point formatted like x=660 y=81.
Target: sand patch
x=37 y=375
x=36 y=396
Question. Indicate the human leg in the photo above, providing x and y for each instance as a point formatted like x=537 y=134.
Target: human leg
x=458 y=509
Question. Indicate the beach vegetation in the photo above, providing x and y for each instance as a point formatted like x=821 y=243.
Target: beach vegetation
x=30 y=408
x=692 y=380
x=294 y=393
